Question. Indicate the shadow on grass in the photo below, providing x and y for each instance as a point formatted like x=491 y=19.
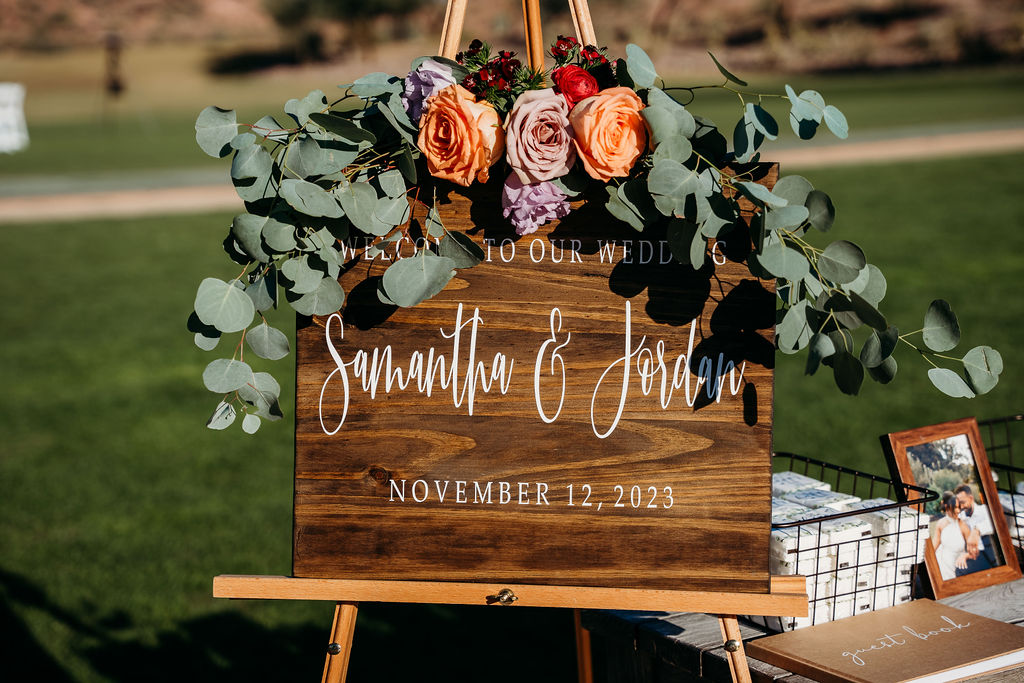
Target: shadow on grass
x=412 y=642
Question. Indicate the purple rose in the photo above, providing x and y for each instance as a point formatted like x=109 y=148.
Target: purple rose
x=429 y=77
x=538 y=136
x=530 y=206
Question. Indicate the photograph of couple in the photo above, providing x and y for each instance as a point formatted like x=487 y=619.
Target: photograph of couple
x=964 y=538
x=961 y=530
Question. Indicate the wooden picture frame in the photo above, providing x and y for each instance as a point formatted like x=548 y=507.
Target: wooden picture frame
x=949 y=458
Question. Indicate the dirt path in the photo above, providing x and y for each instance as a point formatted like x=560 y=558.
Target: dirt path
x=204 y=198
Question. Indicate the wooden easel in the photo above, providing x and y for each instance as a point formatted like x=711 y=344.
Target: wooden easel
x=787 y=597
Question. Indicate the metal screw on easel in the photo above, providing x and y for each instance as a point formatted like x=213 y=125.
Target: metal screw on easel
x=334 y=649
x=504 y=597
x=732 y=645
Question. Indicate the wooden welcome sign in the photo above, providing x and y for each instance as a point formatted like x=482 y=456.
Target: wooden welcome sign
x=578 y=410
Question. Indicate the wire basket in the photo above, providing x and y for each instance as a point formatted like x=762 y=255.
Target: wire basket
x=1000 y=435
x=857 y=560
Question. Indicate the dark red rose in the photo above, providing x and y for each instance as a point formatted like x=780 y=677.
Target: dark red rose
x=563 y=45
x=574 y=83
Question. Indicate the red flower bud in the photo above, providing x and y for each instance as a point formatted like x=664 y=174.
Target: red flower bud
x=574 y=83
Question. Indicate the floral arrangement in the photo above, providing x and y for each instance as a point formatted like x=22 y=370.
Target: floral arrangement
x=605 y=130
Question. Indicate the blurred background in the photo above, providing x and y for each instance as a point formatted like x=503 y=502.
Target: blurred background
x=117 y=507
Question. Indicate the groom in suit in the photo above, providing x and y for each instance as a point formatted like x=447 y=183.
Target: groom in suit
x=981 y=549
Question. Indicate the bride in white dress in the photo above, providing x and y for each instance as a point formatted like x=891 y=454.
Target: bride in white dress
x=949 y=539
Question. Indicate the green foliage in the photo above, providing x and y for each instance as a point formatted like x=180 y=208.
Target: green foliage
x=344 y=172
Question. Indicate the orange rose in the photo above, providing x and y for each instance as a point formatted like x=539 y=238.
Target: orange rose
x=459 y=136
x=609 y=132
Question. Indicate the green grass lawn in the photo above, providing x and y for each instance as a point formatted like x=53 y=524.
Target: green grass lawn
x=117 y=507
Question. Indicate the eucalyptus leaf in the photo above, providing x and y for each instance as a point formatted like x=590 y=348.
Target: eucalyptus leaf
x=262 y=391
x=677 y=148
x=687 y=125
x=841 y=262
x=309 y=198
x=344 y=128
x=983 y=365
x=377 y=84
x=762 y=121
x=698 y=250
x=941 y=330
x=407 y=165
x=205 y=336
x=251 y=162
x=680 y=234
x=793 y=332
x=745 y=141
x=206 y=342
x=640 y=67
x=728 y=76
x=821 y=213
x=247 y=229
x=215 y=129
x=791 y=216
x=870 y=284
x=836 y=122
x=268 y=342
x=278 y=236
x=848 y=372
x=242 y=140
x=433 y=224
x=672 y=183
x=416 y=279
x=622 y=74
x=759 y=194
x=461 y=249
x=392 y=211
x=400 y=124
x=620 y=210
x=867 y=312
x=819 y=348
x=885 y=372
x=250 y=423
x=223 y=306
x=794 y=189
x=301 y=109
x=225 y=375
x=358 y=200
x=223 y=416
x=808 y=105
x=327 y=298
x=305 y=158
x=269 y=129
x=662 y=123
x=263 y=290
x=391 y=182
x=950 y=383
x=784 y=261
x=303 y=278
x=879 y=346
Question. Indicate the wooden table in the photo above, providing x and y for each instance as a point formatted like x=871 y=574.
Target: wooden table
x=672 y=647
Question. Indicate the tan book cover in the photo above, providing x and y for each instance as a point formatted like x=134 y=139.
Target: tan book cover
x=920 y=640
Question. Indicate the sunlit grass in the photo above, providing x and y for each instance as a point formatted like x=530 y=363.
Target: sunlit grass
x=117 y=507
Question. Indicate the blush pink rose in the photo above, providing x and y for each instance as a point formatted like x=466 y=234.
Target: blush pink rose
x=609 y=132
x=460 y=137
x=538 y=136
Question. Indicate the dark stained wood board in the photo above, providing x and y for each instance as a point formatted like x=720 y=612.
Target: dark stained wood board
x=698 y=518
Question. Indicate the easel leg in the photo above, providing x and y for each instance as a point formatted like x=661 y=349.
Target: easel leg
x=339 y=648
x=734 y=648
x=584 y=663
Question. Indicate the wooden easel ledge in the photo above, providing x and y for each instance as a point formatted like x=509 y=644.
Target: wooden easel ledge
x=788 y=596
